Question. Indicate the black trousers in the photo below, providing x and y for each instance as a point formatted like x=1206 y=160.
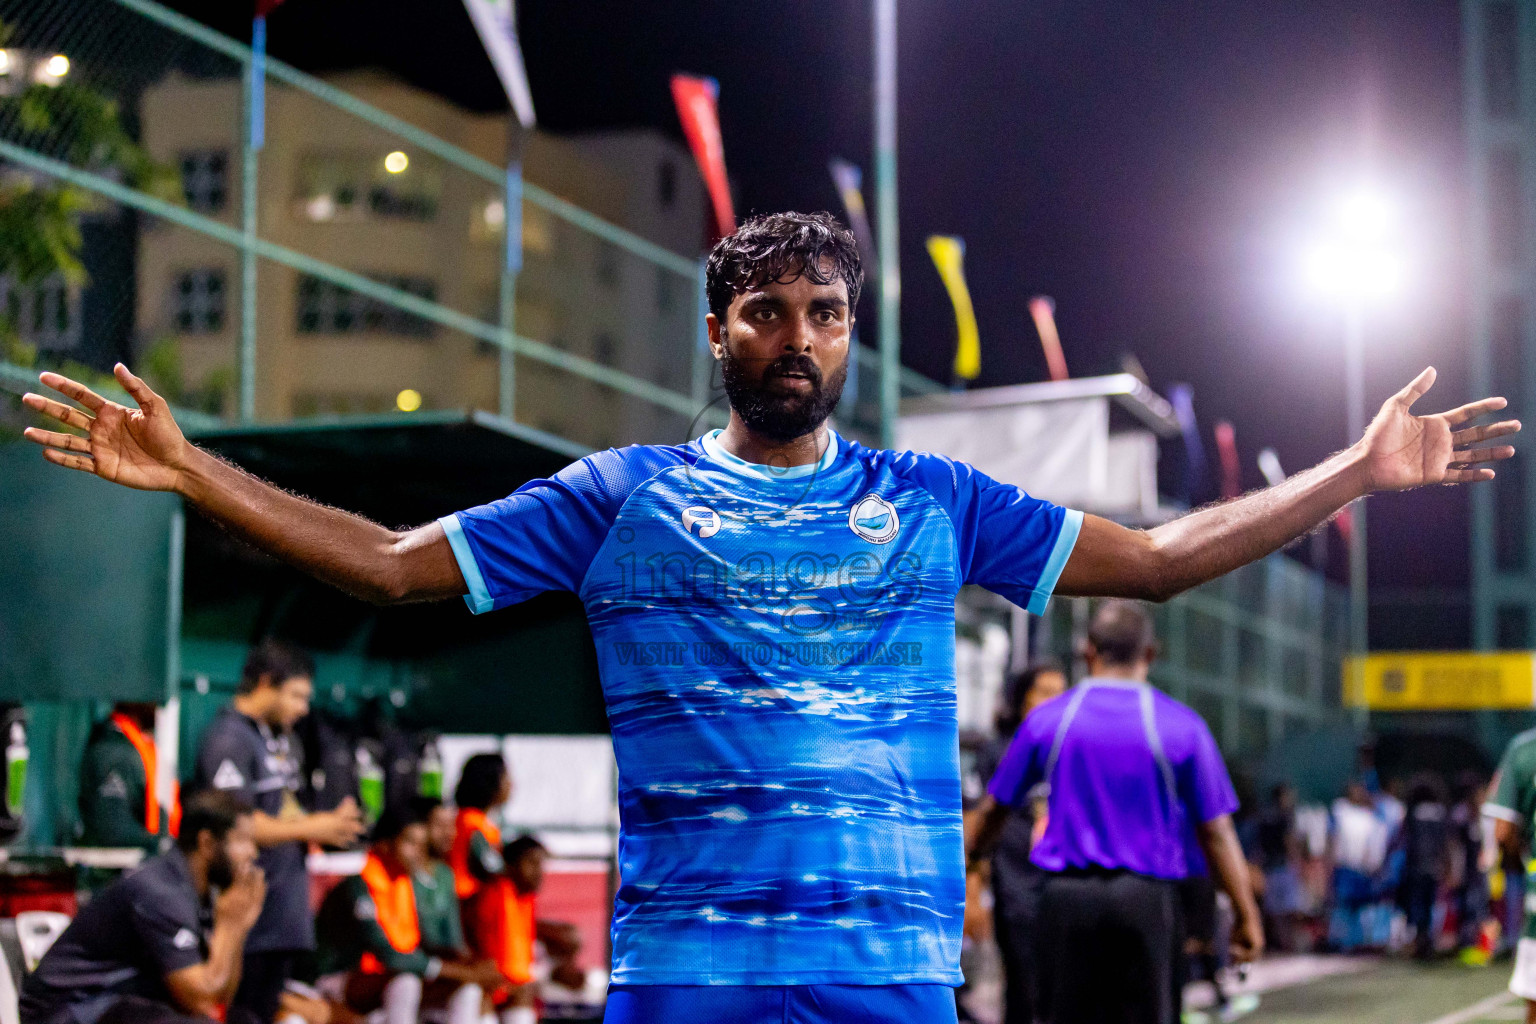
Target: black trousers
x=136 y=1010
x=262 y=977
x=1016 y=923
x=1107 y=949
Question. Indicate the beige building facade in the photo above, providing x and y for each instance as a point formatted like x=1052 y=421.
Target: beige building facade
x=334 y=188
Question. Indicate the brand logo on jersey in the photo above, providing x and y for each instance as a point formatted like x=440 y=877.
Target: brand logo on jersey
x=184 y=939
x=114 y=785
x=706 y=518
x=228 y=777
x=874 y=519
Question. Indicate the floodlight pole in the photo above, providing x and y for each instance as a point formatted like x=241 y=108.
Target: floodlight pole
x=885 y=218
x=1354 y=375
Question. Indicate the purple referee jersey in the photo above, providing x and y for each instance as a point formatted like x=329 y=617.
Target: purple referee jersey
x=1131 y=772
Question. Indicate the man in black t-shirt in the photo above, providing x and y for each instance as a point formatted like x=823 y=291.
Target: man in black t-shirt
x=156 y=946
x=248 y=751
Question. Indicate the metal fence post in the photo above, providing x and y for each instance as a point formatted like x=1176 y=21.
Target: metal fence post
x=701 y=370
x=512 y=262
x=249 y=146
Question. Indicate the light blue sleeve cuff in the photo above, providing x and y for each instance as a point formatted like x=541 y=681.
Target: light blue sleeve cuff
x=1071 y=524
x=478 y=598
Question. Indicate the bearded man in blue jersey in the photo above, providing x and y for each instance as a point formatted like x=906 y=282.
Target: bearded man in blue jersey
x=773 y=610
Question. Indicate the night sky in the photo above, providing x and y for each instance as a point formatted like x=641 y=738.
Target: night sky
x=1152 y=166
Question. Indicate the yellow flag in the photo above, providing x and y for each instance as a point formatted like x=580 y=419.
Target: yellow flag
x=948 y=254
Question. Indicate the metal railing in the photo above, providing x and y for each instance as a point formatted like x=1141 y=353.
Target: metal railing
x=125 y=50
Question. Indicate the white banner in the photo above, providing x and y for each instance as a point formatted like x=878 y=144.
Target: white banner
x=496 y=22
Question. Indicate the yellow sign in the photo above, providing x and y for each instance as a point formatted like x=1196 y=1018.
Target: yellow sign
x=1441 y=681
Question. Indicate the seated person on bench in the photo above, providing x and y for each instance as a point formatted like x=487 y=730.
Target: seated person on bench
x=370 y=955
x=162 y=945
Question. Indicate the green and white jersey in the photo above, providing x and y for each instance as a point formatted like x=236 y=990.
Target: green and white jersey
x=1514 y=800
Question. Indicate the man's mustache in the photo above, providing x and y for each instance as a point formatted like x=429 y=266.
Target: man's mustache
x=796 y=365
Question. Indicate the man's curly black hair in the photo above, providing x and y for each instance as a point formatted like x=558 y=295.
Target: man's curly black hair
x=782 y=247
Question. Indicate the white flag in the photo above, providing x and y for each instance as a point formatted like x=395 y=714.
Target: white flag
x=496 y=22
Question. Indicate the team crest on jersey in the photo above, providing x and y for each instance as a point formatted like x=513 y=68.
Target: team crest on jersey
x=702 y=516
x=228 y=776
x=874 y=519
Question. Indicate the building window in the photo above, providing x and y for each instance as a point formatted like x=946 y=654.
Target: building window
x=666 y=183
x=603 y=348
x=319 y=403
x=360 y=186
x=45 y=314
x=607 y=264
x=1505 y=211
x=326 y=308
x=666 y=290
x=198 y=301
x=205 y=179
x=1513 y=626
x=1501 y=59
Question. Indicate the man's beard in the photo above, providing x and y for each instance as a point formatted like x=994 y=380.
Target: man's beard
x=775 y=414
x=221 y=871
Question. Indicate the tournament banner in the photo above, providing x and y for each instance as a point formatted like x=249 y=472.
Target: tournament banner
x=948 y=252
x=1182 y=397
x=496 y=23
x=1042 y=308
x=1441 y=681
x=258 y=72
x=697 y=107
x=1231 y=468
x=850 y=187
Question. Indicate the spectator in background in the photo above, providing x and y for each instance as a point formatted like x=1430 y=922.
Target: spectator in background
x=1015 y=881
x=157 y=946
x=247 y=751
x=437 y=905
x=484 y=785
x=1358 y=844
x=1425 y=839
x=1469 y=883
x=370 y=953
x=1278 y=851
x=505 y=919
x=1512 y=806
x=1139 y=797
x=118 y=806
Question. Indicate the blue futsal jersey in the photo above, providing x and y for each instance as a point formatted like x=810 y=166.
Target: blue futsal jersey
x=776 y=649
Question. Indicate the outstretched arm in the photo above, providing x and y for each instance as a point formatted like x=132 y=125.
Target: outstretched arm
x=1399 y=451
x=143 y=448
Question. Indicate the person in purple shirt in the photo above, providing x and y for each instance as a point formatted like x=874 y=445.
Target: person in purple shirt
x=1139 y=799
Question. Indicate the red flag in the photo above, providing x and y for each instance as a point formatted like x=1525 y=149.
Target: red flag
x=1043 y=309
x=1344 y=522
x=696 y=108
x=1231 y=469
x=266 y=7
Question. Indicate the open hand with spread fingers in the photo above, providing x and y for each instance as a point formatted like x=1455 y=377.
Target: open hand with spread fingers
x=141 y=448
x=1402 y=450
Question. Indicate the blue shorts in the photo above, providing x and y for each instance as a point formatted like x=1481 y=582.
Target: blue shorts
x=780 y=1004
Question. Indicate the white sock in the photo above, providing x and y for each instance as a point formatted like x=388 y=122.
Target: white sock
x=402 y=999
x=464 y=1005
x=519 y=1015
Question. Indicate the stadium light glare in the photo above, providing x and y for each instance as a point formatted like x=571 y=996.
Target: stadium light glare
x=408 y=400
x=5 y=62
x=396 y=162
x=56 y=66
x=1358 y=259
